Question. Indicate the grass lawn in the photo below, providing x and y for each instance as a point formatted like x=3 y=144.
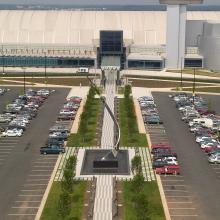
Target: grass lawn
x=160 y=83
x=204 y=89
x=128 y=138
x=152 y=194
x=88 y=138
x=201 y=72
x=50 y=211
x=186 y=79
x=71 y=81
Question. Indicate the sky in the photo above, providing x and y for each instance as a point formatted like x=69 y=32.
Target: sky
x=95 y=2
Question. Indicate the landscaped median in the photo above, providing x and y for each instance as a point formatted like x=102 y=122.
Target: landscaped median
x=86 y=135
x=130 y=136
x=66 y=197
x=140 y=199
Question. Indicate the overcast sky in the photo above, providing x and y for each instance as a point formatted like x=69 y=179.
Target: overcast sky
x=61 y=2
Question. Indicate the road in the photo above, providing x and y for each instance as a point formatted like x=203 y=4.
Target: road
x=201 y=178
x=24 y=152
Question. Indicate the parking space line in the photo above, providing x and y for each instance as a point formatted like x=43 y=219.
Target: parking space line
x=22 y=195
x=43 y=166
x=33 y=180
x=174 y=185
x=35 y=184
x=40 y=175
x=172 y=180
x=22 y=214
x=179 y=202
x=178 y=196
x=26 y=207
x=41 y=170
x=184 y=215
x=18 y=201
x=175 y=190
x=32 y=190
x=183 y=208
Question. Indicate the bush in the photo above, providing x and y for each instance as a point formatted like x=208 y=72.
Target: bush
x=64 y=204
x=136 y=165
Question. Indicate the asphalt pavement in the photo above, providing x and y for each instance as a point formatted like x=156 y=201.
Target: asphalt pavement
x=23 y=162
x=201 y=178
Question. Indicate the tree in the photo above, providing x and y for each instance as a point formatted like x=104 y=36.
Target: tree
x=67 y=182
x=138 y=182
x=136 y=165
x=141 y=206
x=64 y=204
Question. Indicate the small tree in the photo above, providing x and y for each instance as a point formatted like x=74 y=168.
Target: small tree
x=64 y=204
x=138 y=182
x=67 y=182
x=136 y=165
x=141 y=205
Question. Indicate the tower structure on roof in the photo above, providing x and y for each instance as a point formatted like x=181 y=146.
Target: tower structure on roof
x=176 y=31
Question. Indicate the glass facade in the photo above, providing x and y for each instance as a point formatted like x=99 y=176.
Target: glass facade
x=145 y=64
x=111 y=42
x=193 y=63
x=17 y=61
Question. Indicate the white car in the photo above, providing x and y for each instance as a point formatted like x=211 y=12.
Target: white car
x=210 y=144
x=67 y=112
x=214 y=159
x=203 y=138
x=13 y=133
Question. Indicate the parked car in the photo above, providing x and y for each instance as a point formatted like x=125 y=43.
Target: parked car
x=54 y=149
x=12 y=133
x=159 y=163
x=214 y=159
x=170 y=169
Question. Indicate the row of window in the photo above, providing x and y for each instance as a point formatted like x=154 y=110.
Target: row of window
x=49 y=61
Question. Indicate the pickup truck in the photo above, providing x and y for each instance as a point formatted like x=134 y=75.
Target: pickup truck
x=52 y=150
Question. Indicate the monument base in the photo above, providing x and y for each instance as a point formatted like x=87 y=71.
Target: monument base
x=103 y=162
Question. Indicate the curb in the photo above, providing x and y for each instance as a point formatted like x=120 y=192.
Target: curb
x=44 y=199
x=160 y=187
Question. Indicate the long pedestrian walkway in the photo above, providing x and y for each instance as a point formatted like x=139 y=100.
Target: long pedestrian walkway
x=104 y=187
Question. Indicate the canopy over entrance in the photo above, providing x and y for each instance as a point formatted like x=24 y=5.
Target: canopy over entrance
x=111 y=63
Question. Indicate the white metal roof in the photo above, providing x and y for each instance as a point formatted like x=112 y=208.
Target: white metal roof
x=82 y=27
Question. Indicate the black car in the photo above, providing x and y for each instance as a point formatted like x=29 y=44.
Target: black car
x=162 y=155
x=157 y=164
x=52 y=141
x=52 y=150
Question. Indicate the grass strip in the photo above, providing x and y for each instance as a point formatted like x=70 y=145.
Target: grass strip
x=130 y=136
x=51 y=211
x=88 y=123
x=151 y=193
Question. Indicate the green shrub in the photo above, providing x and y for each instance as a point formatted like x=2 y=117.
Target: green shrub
x=64 y=204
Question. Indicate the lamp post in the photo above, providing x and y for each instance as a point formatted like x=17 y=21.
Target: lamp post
x=181 y=74
x=24 y=76
x=3 y=61
x=194 y=84
x=45 y=68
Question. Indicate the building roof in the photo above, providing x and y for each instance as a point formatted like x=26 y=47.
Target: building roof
x=82 y=27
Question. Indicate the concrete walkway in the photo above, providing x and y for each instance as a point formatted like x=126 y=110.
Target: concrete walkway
x=104 y=187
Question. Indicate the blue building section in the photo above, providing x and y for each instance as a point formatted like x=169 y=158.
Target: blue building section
x=31 y=61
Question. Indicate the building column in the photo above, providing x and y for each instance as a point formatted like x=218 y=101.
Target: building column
x=176 y=29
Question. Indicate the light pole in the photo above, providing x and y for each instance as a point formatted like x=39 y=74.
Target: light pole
x=194 y=84
x=181 y=74
x=45 y=69
x=24 y=76
x=3 y=61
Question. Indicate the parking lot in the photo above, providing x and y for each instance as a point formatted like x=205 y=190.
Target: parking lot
x=195 y=193
x=24 y=173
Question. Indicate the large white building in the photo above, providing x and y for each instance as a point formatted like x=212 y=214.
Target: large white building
x=72 y=38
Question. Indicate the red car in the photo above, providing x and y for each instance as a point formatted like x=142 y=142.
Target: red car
x=208 y=149
x=160 y=146
x=170 y=169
